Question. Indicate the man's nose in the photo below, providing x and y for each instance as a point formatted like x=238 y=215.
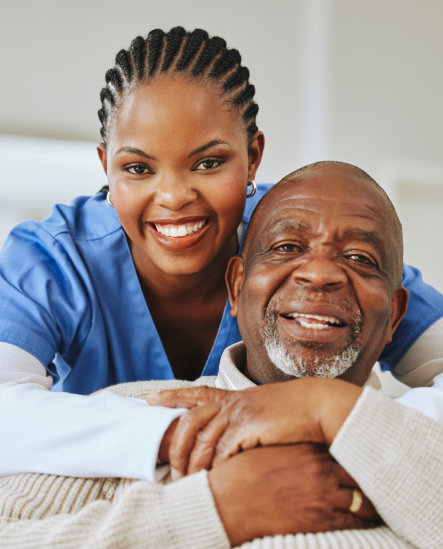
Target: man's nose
x=173 y=191
x=321 y=272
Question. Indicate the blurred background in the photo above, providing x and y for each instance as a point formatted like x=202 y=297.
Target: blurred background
x=347 y=80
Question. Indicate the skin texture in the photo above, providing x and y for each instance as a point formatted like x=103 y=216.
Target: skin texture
x=176 y=155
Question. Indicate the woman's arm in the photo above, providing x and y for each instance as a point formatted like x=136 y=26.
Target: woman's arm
x=102 y=435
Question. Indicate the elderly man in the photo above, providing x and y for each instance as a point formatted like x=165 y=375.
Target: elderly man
x=317 y=294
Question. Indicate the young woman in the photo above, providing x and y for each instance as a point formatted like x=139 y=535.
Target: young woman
x=129 y=284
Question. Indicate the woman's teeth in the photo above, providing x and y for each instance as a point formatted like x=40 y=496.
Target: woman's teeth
x=308 y=321
x=179 y=230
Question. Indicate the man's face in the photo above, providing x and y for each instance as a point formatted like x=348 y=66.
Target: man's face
x=314 y=293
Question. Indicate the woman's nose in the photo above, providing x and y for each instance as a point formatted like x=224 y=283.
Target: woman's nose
x=173 y=192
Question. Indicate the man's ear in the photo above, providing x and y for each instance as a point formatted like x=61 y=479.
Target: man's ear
x=234 y=280
x=255 y=152
x=399 y=307
x=101 y=151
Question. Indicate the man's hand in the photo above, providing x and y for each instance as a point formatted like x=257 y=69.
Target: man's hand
x=285 y=490
x=221 y=423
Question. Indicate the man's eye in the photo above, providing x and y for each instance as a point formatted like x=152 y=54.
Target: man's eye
x=137 y=169
x=287 y=247
x=208 y=164
x=361 y=258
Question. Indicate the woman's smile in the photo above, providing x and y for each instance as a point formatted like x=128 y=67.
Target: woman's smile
x=180 y=234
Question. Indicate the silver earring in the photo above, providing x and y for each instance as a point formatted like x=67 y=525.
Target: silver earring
x=253 y=190
x=108 y=198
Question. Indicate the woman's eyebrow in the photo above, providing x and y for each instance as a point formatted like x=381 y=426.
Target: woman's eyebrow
x=134 y=150
x=203 y=148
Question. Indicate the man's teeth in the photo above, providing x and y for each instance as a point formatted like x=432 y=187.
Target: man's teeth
x=180 y=230
x=305 y=320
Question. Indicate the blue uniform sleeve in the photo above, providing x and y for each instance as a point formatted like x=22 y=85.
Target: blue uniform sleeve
x=40 y=301
x=424 y=308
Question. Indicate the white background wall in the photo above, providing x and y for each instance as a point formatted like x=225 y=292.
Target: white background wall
x=351 y=80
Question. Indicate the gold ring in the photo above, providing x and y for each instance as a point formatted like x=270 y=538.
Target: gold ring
x=357 y=500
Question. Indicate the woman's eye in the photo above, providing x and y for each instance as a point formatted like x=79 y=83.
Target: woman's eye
x=137 y=169
x=208 y=164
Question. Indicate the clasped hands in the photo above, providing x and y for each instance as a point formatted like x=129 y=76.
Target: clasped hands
x=266 y=449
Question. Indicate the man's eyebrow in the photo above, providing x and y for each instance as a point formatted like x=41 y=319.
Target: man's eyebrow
x=288 y=225
x=134 y=150
x=365 y=236
x=203 y=148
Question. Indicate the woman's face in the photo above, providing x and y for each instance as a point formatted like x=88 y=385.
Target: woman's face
x=178 y=164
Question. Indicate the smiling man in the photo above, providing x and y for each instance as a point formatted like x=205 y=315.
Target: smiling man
x=321 y=276
x=317 y=294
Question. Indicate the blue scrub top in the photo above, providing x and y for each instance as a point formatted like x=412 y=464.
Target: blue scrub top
x=70 y=296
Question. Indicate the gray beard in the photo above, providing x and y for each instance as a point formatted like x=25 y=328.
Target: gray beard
x=295 y=366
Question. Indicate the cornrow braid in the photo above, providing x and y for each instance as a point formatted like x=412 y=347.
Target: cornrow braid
x=195 y=54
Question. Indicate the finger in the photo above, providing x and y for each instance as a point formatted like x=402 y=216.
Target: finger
x=234 y=439
x=345 y=498
x=343 y=477
x=185 y=434
x=203 y=452
x=349 y=521
x=186 y=398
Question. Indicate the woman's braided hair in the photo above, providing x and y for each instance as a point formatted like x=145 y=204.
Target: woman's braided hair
x=194 y=54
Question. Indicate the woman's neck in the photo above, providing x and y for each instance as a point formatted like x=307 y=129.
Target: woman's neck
x=198 y=286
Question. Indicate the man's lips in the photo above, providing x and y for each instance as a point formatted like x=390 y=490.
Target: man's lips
x=315 y=321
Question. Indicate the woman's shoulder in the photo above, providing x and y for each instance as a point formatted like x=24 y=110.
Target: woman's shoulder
x=87 y=223
x=85 y=218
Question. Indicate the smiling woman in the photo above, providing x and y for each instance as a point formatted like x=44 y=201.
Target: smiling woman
x=129 y=284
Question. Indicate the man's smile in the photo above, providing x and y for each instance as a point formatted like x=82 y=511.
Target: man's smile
x=314 y=322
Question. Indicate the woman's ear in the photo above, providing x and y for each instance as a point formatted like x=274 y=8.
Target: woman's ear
x=255 y=153
x=398 y=308
x=234 y=281
x=101 y=151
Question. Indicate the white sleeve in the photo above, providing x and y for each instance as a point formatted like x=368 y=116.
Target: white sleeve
x=427 y=400
x=422 y=368
x=102 y=435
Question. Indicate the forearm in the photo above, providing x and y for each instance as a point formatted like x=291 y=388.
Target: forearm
x=103 y=435
x=395 y=455
x=180 y=515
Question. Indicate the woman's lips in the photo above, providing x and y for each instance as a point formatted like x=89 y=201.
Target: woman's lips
x=180 y=235
x=178 y=230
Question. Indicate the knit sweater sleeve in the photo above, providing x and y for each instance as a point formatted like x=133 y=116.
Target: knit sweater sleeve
x=41 y=511
x=396 y=456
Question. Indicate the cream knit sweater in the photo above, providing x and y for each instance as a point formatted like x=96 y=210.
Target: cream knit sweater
x=44 y=511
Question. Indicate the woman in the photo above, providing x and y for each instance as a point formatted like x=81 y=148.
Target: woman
x=132 y=287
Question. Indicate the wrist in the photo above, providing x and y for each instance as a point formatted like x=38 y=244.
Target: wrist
x=165 y=444
x=337 y=399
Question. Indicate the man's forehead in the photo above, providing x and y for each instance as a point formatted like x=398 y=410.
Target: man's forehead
x=299 y=204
